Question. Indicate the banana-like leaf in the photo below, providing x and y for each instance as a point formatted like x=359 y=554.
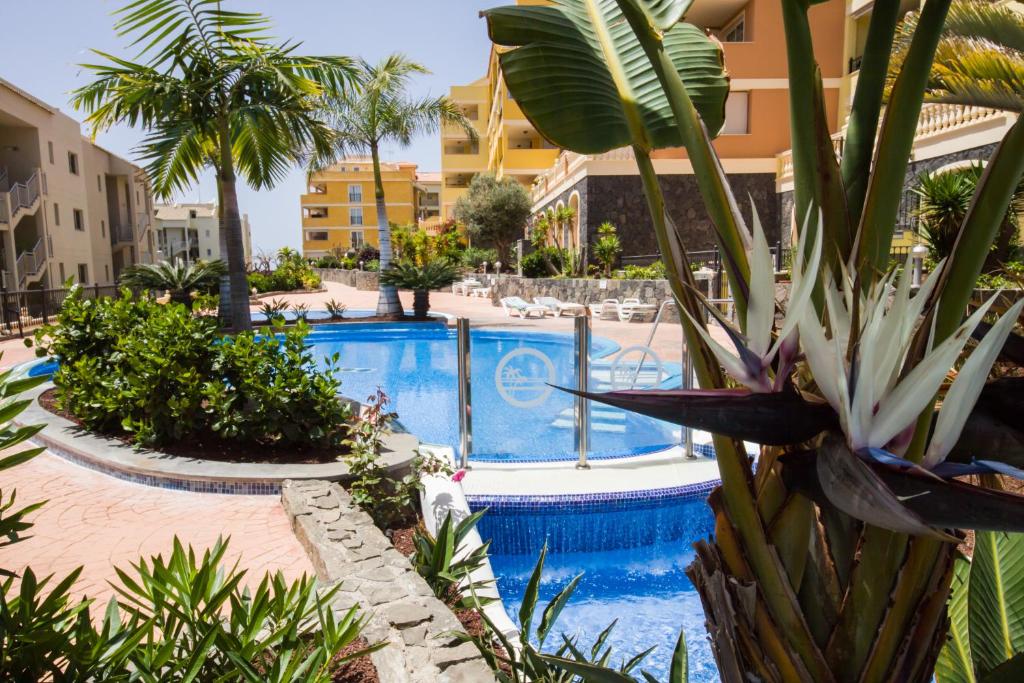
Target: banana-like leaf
x=777 y=419
x=996 y=600
x=580 y=62
x=665 y=14
x=1010 y=671
x=954 y=664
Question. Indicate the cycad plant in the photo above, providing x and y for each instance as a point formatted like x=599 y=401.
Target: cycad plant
x=833 y=560
x=435 y=274
x=177 y=277
x=212 y=90
x=379 y=112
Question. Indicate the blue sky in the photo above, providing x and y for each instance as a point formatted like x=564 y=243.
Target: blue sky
x=44 y=40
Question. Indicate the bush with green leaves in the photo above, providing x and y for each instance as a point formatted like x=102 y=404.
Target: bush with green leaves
x=607 y=247
x=474 y=257
x=162 y=375
x=291 y=272
x=274 y=308
x=446 y=565
x=545 y=261
x=336 y=309
x=421 y=279
x=390 y=500
x=179 y=278
x=655 y=271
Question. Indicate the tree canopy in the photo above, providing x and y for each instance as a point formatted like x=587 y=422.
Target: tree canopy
x=494 y=211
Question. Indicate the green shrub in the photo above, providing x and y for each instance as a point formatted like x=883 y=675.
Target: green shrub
x=445 y=565
x=292 y=273
x=372 y=266
x=388 y=500
x=329 y=261
x=474 y=257
x=655 y=271
x=162 y=376
x=535 y=264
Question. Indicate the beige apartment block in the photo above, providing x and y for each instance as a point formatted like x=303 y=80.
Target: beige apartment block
x=69 y=209
x=191 y=232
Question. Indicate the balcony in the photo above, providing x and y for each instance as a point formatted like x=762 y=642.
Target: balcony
x=121 y=234
x=854 y=64
x=533 y=160
x=31 y=263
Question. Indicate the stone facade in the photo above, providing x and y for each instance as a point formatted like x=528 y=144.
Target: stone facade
x=621 y=200
x=346 y=547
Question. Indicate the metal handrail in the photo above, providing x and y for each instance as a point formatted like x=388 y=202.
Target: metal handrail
x=29 y=263
x=20 y=196
x=121 y=233
x=4 y=186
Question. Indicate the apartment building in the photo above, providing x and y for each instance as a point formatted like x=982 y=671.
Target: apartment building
x=339 y=210
x=68 y=208
x=947 y=136
x=191 y=232
x=428 y=200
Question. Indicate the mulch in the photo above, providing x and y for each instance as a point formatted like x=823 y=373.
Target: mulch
x=359 y=670
x=212 y=447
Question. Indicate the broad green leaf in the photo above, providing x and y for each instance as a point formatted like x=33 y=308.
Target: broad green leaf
x=996 y=599
x=954 y=664
x=665 y=13
x=554 y=609
x=532 y=591
x=579 y=61
x=591 y=673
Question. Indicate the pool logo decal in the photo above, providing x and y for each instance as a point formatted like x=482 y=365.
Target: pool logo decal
x=639 y=374
x=524 y=384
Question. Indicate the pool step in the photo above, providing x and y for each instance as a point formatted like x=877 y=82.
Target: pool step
x=600 y=420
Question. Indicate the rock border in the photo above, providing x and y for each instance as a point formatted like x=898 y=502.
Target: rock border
x=153 y=468
x=346 y=546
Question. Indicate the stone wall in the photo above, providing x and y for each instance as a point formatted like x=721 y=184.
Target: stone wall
x=347 y=548
x=621 y=200
x=360 y=279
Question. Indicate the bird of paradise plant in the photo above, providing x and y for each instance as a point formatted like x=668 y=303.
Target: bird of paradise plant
x=833 y=559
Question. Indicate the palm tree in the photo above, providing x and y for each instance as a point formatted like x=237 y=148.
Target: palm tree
x=378 y=112
x=212 y=90
x=179 y=278
x=980 y=58
x=432 y=275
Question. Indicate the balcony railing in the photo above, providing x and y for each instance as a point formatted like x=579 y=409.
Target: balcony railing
x=19 y=196
x=31 y=262
x=121 y=234
x=854 y=64
x=939 y=118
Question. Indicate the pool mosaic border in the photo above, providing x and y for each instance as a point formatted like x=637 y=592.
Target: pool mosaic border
x=576 y=501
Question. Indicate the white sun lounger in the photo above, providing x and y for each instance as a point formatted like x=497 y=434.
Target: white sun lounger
x=558 y=307
x=631 y=310
x=606 y=310
x=522 y=308
x=466 y=286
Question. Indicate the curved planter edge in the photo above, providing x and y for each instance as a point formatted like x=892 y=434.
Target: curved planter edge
x=154 y=468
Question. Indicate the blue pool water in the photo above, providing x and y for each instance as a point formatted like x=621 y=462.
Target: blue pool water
x=632 y=554
x=416 y=365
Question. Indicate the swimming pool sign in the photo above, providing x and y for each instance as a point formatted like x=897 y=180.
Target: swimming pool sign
x=523 y=378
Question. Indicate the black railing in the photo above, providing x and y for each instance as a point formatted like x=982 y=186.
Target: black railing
x=854 y=64
x=709 y=258
x=25 y=309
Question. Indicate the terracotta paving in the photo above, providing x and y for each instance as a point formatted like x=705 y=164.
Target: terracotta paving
x=100 y=522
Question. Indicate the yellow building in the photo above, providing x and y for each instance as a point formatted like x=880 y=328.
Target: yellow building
x=339 y=208
x=507 y=145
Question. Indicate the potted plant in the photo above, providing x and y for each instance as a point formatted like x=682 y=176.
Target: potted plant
x=421 y=279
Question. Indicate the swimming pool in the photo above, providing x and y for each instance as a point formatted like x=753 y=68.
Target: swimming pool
x=516 y=416
x=632 y=551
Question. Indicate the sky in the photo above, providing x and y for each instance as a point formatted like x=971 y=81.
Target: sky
x=44 y=41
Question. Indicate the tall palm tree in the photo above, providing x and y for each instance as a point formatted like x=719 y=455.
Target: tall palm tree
x=378 y=112
x=212 y=90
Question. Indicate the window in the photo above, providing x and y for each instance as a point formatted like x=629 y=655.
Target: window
x=316 y=235
x=103 y=228
x=56 y=214
x=209 y=252
x=83 y=273
x=319 y=188
x=192 y=213
x=99 y=183
x=355 y=216
x=737 y=109
x=73 y=163
x=357 y=239
x=106 y=273
x=736 y=31
x=61 y=269
x=207 y=233
x=315 y=212
x=355 y=194
x=79 y=217
x=49 y=149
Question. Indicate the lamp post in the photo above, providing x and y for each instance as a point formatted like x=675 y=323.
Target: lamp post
x=918 y=254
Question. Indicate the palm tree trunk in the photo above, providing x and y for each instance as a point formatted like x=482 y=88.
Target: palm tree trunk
x=231 y=231
x=224 y=282
x=388 y=303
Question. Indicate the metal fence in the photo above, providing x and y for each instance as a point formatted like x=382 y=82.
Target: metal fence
x=25 y=309
x=709 y=258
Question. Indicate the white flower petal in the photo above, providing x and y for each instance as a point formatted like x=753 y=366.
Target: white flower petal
x=967 y=386
x=761 y=305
